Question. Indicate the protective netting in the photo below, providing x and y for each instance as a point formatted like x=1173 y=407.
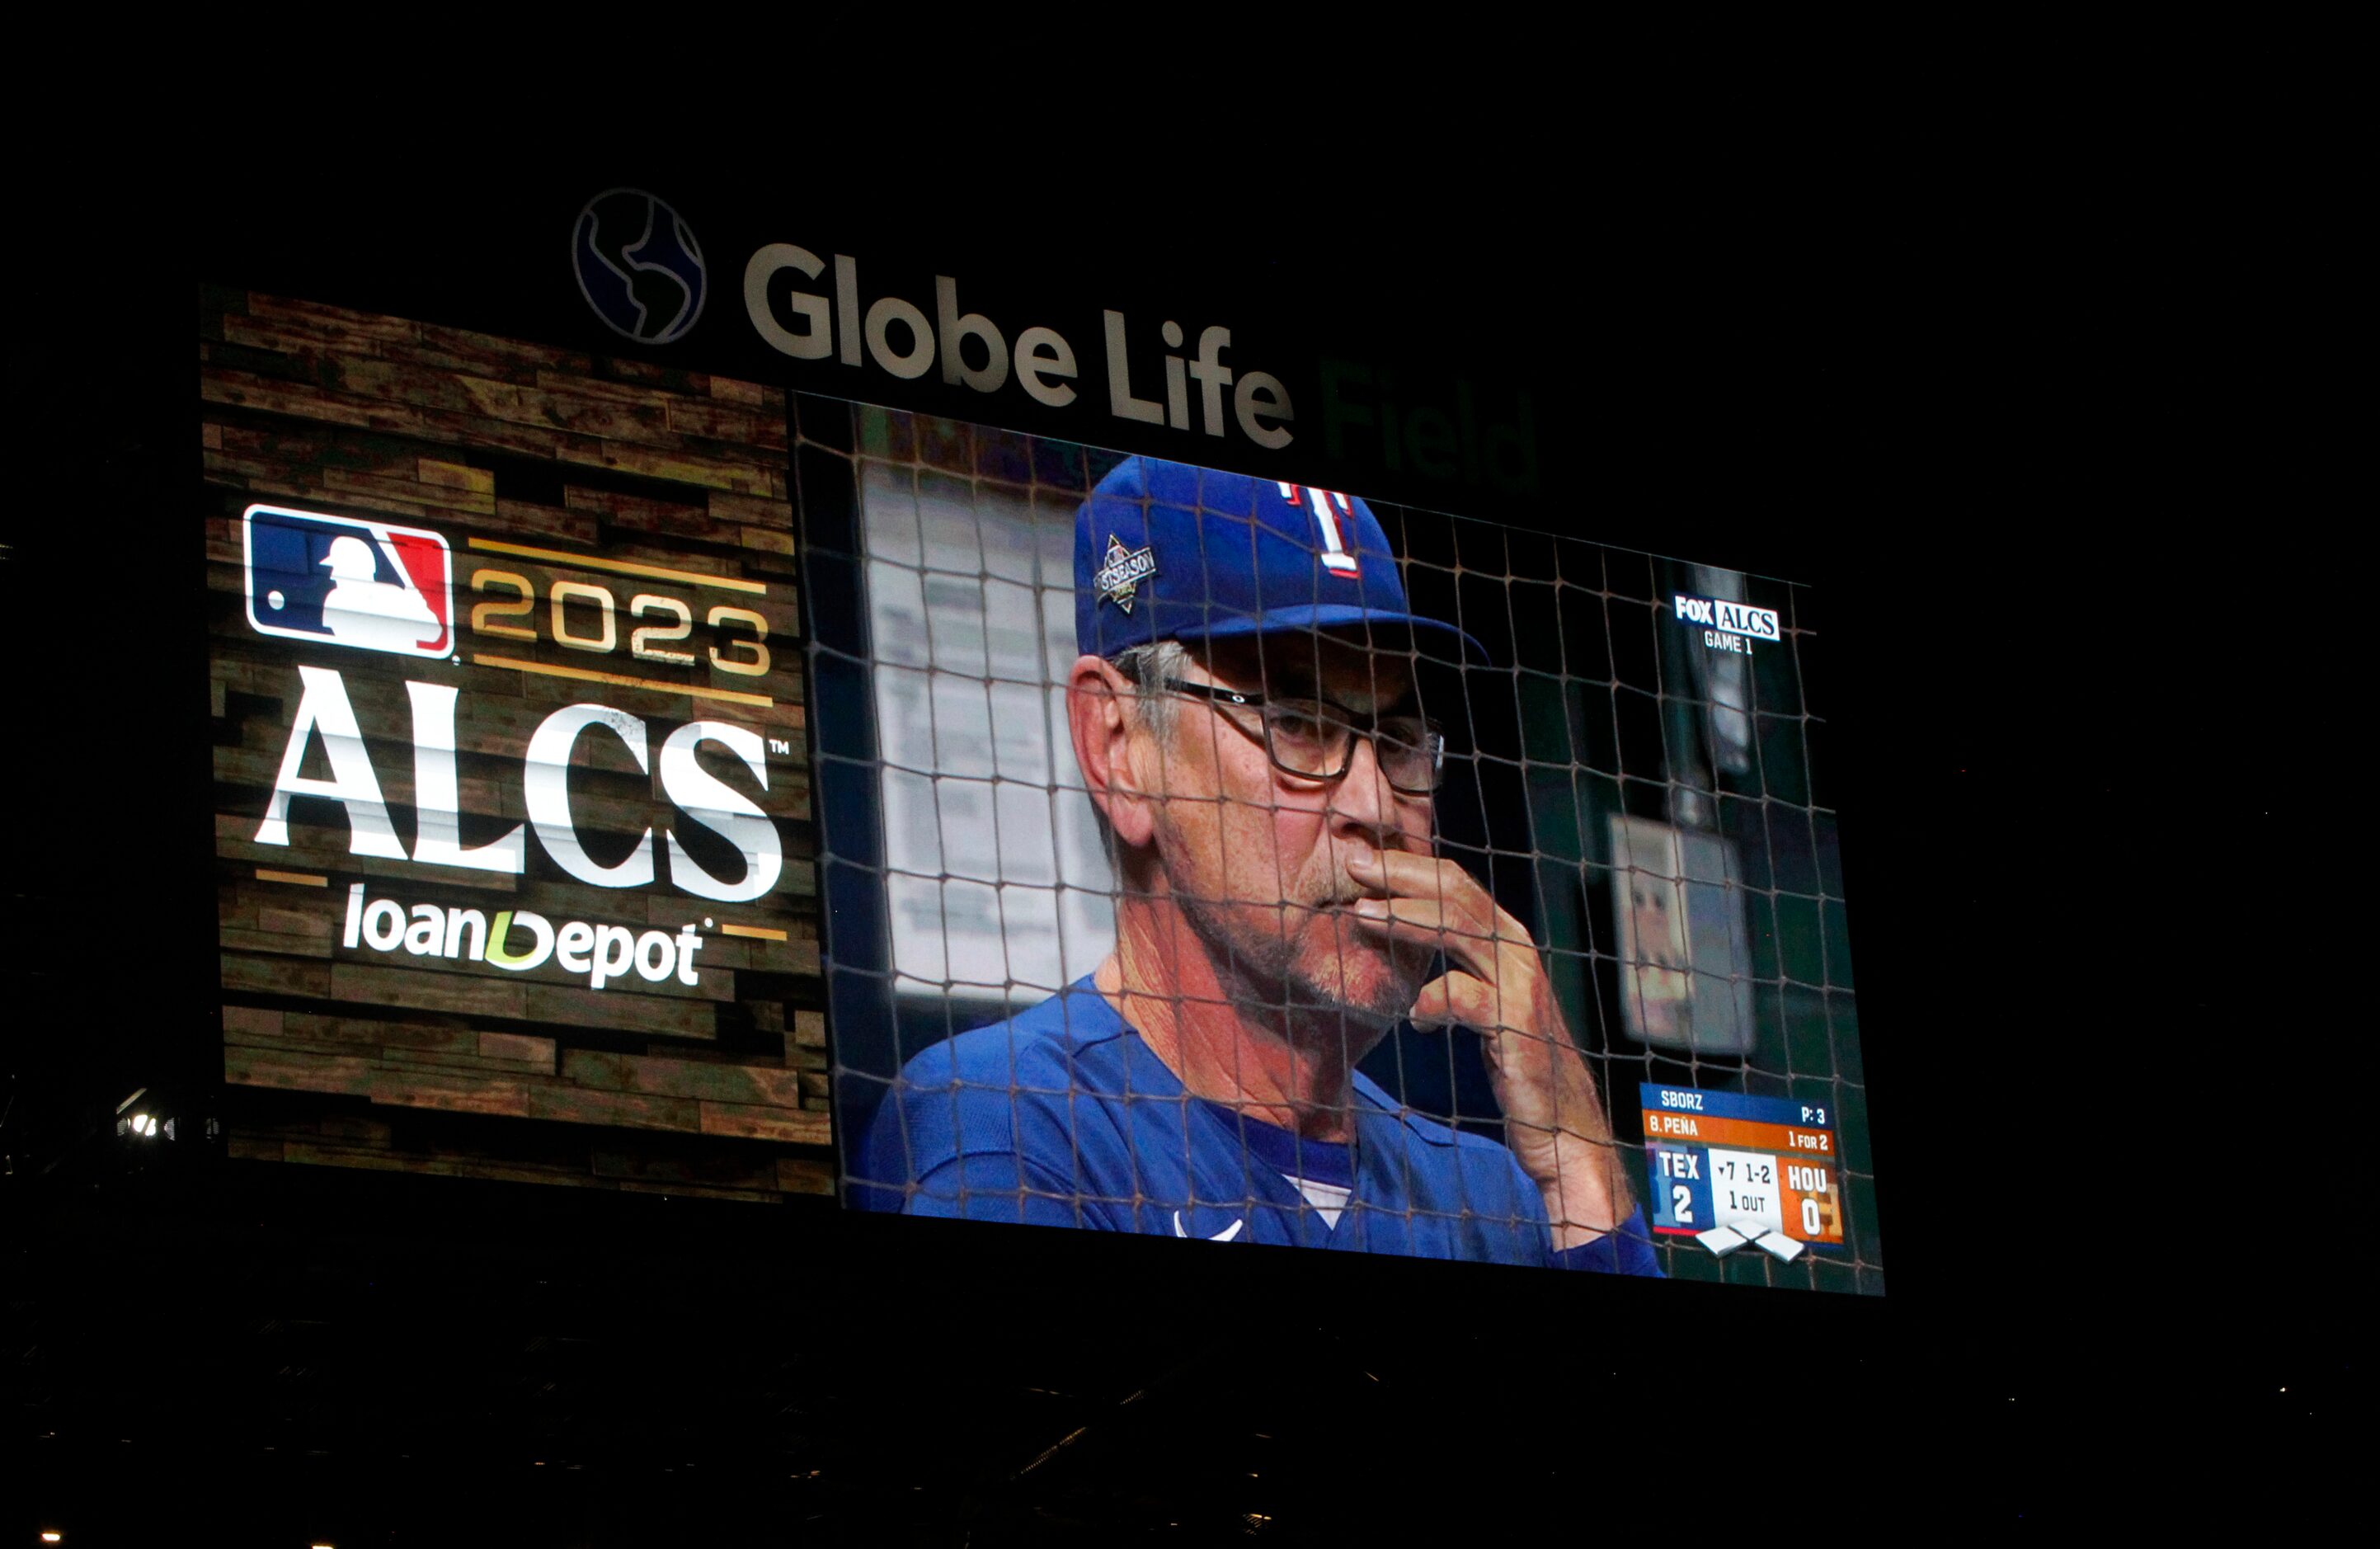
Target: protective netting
x=1626 y=777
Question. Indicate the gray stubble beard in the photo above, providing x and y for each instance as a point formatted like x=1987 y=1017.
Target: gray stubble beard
x=1261 y=971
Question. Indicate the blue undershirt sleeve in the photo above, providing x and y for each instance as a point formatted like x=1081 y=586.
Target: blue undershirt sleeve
x=1625 y=1249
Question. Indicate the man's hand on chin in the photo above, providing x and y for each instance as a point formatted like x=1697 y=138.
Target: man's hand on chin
x=1495 y=985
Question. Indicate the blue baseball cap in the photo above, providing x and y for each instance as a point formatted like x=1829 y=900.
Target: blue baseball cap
x=1167 y=551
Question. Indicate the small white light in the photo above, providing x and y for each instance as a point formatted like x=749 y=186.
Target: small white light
x=53 y=1538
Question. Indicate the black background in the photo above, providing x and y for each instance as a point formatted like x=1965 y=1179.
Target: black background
x=2048 y=427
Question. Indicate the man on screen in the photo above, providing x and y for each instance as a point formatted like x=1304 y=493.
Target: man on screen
x=1247 y=714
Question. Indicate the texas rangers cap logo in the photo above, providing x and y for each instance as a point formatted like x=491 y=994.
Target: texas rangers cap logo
x=339 y=580
x=1118 y=580
x=1334 y=556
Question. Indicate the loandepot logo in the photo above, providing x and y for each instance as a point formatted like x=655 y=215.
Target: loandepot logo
x=638 y=266
x=520 y=940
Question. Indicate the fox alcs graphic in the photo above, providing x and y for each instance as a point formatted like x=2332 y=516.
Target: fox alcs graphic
x=368 y=584
x=1727 y=618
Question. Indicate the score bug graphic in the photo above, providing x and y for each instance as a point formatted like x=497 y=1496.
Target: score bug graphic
x=371 y=585
x=1727 y=1170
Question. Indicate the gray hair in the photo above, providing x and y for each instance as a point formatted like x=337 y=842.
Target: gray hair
x=1147 y=667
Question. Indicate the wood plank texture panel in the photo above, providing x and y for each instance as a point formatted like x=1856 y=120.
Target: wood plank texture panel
x=406 y=1058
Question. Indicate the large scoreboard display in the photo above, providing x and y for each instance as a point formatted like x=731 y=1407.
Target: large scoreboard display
x=787 y=726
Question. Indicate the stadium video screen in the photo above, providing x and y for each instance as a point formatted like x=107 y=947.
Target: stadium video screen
x=1114 y=843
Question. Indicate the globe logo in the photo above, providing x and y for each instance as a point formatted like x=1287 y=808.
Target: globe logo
x=638 y=266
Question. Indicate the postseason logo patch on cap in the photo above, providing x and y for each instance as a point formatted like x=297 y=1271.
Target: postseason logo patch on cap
x=1118 y=580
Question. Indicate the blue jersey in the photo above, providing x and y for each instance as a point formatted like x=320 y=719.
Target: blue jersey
x=1063 y=1117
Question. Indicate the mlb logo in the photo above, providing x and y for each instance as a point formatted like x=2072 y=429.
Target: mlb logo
x=368 y=584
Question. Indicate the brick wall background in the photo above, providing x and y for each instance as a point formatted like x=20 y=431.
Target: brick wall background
x=386 y=1060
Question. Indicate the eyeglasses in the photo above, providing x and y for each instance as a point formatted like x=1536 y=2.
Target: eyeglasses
x=1315 y=739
